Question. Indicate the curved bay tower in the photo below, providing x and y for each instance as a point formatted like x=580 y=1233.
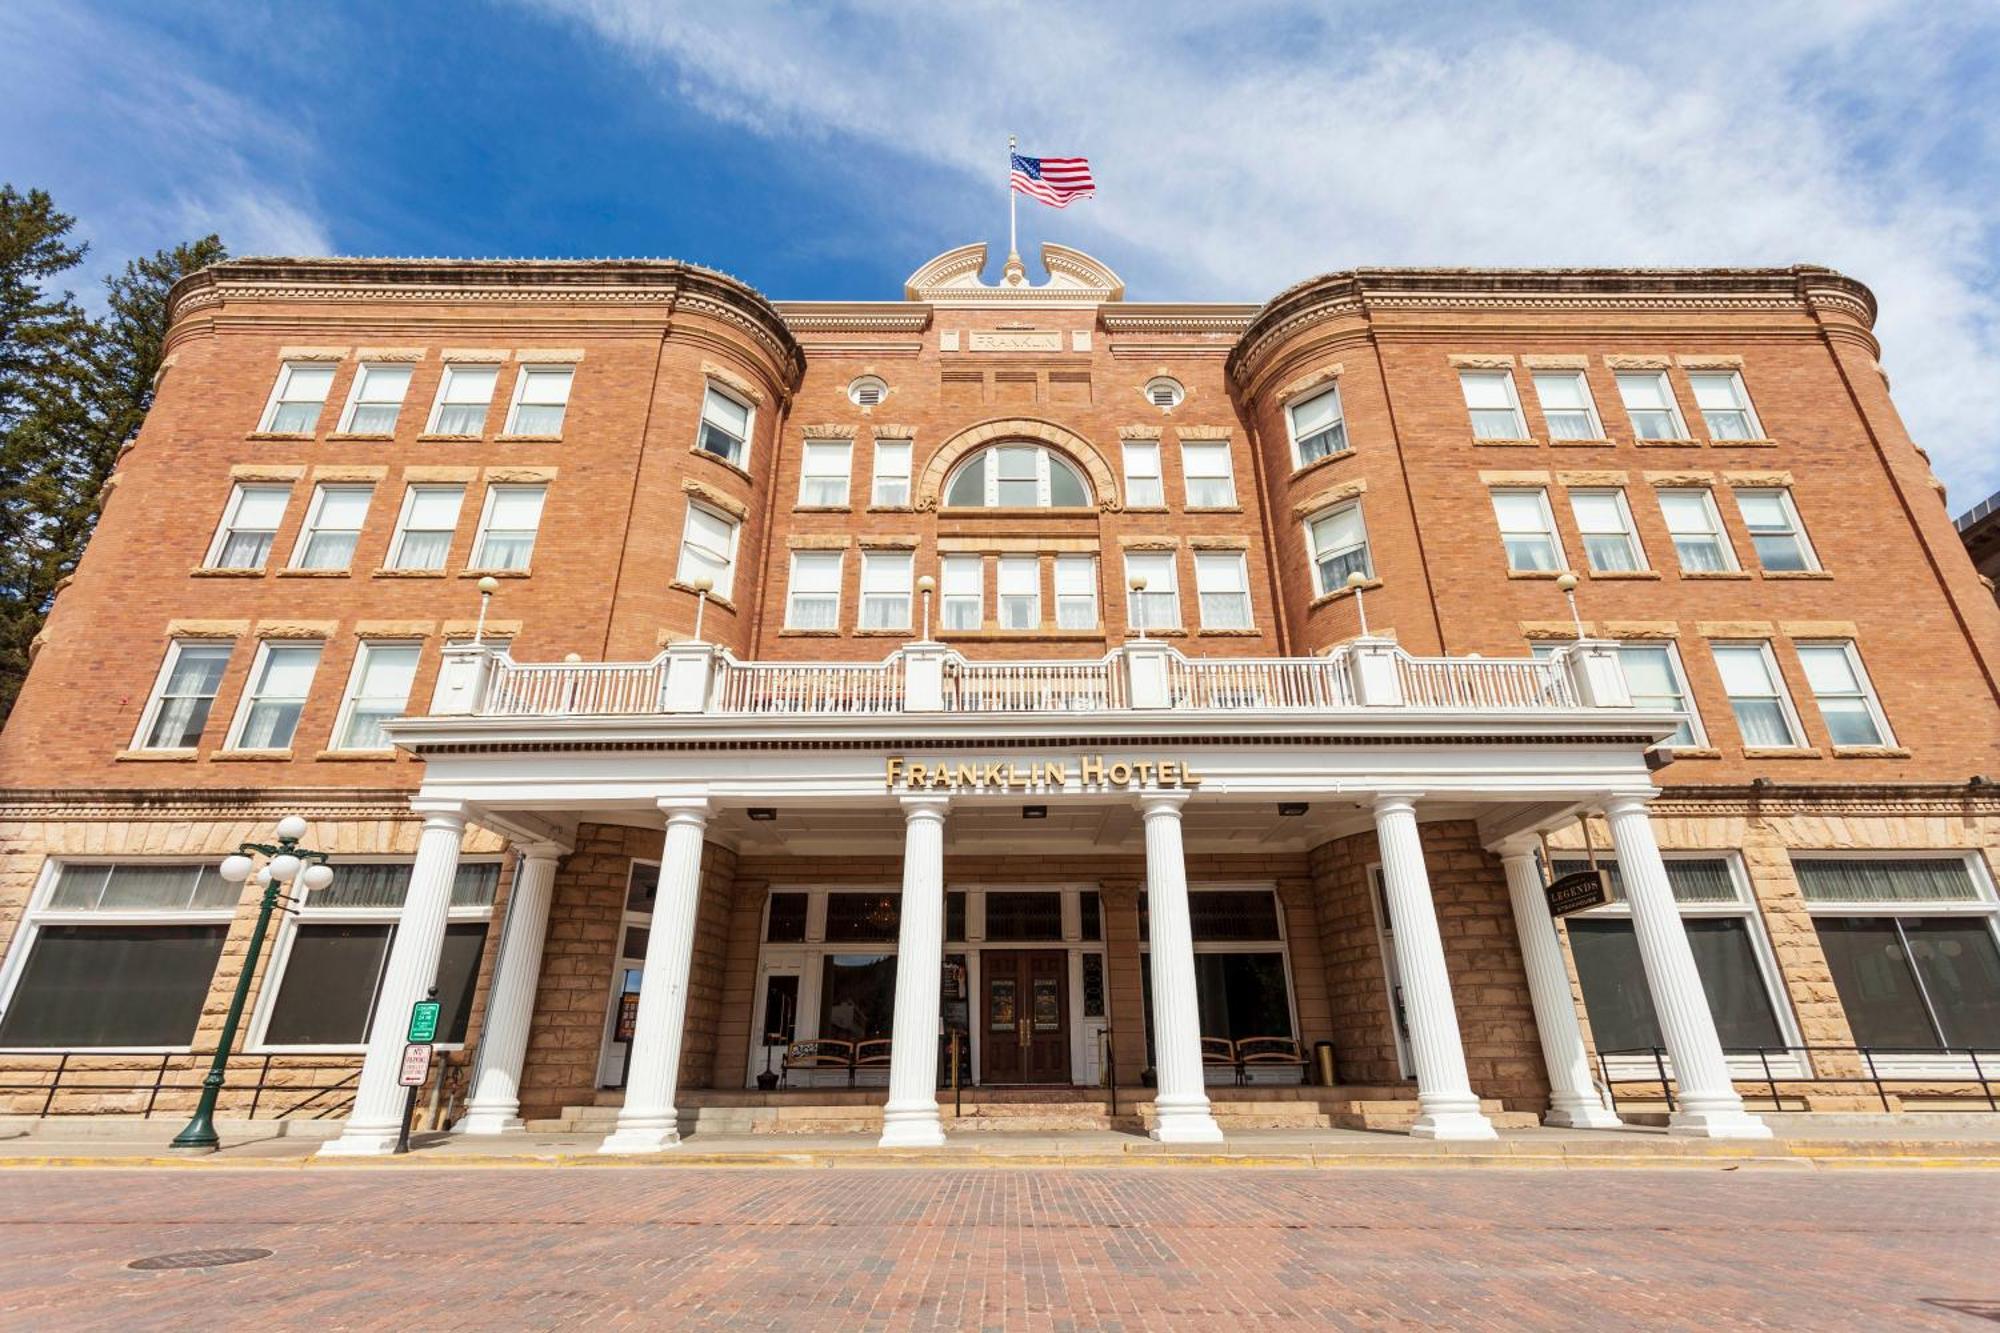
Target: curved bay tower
x=1017 y=685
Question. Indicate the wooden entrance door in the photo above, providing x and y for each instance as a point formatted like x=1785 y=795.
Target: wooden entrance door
x=1024 y=1012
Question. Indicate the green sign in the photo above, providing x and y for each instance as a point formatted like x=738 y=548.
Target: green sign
x=424 y=1021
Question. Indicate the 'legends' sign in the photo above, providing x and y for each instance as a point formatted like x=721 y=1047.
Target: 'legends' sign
x=1000 y=774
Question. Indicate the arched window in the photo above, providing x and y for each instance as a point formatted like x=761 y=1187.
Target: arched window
x=1017 y=476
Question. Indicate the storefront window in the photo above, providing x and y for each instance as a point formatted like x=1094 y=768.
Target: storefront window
x=1223 y=916
x=856 y=917
x=857 y=996
x=1090 y=910
x=1620 y=1004
x=1024 y=916
x=327 y=997
x=788 y=918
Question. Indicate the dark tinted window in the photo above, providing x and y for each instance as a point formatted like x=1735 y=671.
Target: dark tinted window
x=788 y=918
x=862 y=916
x=113 y=986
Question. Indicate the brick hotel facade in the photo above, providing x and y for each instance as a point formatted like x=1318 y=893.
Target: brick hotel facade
x=1163 y=686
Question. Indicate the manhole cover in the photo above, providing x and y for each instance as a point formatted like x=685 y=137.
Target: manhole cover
x=199 y=1259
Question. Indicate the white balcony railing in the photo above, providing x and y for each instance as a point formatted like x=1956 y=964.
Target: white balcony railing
x=1367 y=675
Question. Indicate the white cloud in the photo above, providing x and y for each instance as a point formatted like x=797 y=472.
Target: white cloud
x=1239 y=150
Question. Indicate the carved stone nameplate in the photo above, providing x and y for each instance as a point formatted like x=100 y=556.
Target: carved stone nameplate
x=1039 y=340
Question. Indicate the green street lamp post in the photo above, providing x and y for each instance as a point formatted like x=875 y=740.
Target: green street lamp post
x=285 y=863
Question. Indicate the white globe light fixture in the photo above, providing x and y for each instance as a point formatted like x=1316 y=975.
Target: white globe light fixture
x=316 y=876
x=237 y=868
x=291 y=828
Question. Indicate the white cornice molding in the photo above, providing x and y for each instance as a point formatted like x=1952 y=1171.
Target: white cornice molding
x=1075 y=280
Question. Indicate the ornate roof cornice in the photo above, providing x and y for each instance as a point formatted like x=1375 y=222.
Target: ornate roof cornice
x=1178 y=318
x=1075 y=279
x=855 y=316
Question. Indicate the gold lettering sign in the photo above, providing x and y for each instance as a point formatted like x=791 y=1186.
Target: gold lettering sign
x=1092 y=770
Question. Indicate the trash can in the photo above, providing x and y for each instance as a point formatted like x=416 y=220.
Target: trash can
x=1323 y=1055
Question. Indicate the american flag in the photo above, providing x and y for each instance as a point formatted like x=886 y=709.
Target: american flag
x=1053 y=180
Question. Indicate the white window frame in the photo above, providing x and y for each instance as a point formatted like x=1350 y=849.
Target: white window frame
x=1548 y=530
x=839 y=559
x=521 y=377
x=1281 y=945
x=1171 y=593
x=1193 y=450
x=824 y=451
x=1046 y=461
x=1777 y=678
x=250 y=697
x=39 y=914
x=486 y=522
x=1672 y=408
x=1338 y=425
x=307 y=914
x=267 y=424
x=1145 y=476
x=1865 y=689
x=1088 y=563
x=311 y=527
x=155 y=697
x=1467 y=378
x=1589 y=408
x=364 y=373
x=233 y=509
x=879 y=476
x=348 y=698
x=1739 y=391
x=860 y=388
x=1314 y=555
x=1008 y=593
x=410 y=491
x=1239 y=566
x=742 y=461
x=1798 y=533
x=453 y=370
x=1628 y=529
x=950 y=596
x=874 y=562
x=1165 y=386
x=1715 y=530
x=725 y=580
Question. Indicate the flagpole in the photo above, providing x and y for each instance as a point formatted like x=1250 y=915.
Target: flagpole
x=1012 y=249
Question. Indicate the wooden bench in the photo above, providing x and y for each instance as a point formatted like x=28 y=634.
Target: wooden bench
x=818 y=1053
x=1220 y=1053
x=1266 y=1052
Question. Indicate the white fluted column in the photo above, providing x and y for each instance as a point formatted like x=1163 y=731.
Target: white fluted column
x=1706 y=1104
x=1447 y=1107
x=910 y=1120
x=377 y=1119
x=1181 y=1099
x=1573 y=1099
x=649 y=1121
x=495 y=1104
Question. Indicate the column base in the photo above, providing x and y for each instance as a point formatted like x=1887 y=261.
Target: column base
x=1733 y=1123
x=911 y=1127
x=491 y=1120
x=1185 y=1124
x=1581 y=1115
x=1452 y=1121
x=362 y=1141
x=639 y=1140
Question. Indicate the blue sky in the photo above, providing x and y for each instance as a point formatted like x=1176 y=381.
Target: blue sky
x=826 y=151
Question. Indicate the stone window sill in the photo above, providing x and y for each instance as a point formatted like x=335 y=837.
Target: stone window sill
x=1625 y=574
x=822 y=509
x=1691 y=752
x=156 y=756
x=344 y=437
x=1744 y=444
x=905 y=632
x=1668 y=444
x=790 y=633
x=714 y=598
x=1870 y=752
x=1324 y=461
x=355 y=756
x=1016 y=511
x=1483 y=443
x=249 y=756
x=409 y=573
x=527 y=439
x=1601 y=442
x=721 y=462
x=1781 y=752
x=1536 y=573
x=428 y=438
x=223 y=572
x=1215 y=509
x=891 y=509
x=1715 y=574
x=313 y=573
x=279 y=435
x=1177 y=632
x=1147 y=509
x=495 y=573
x=1249 y=632
x=1037 y=635
x=1328 y=598
x=1796 y=574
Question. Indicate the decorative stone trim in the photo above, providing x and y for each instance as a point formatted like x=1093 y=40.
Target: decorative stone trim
x=1542 y=361
x=394 y=629
x=439 y=472
x=249 y=756
x=1680 y=478
x=1781 y=752
x=1820 y=629
x=1207 y=633
x=313 y=353
x=1641 y=629
x=1599 y=443
x=267 y=471
x=925 y=489
x=475 y=572
x=818 y=541
x=290 y=436
x=207 y=629
x=1758 y=479
x=293 y=572
x=429 y=438
x=1593 y=478
x=297 y=629
x=822 y=509
x=1529 y=443
x=789 y=632
x=538 y=437
x=1638 y=362
x=719 y=461
x=1330 y=496
x=1329 y=598
x=1141 y=432
x=223 y=572
x=1203 y=433
x=1529 y=575
x=1514 y=478
x=1668 y=444
x=494 y=629
x=833 y=431
x=1743 y=444
x=1219 y=543
x=1870 y=752
x=354 y=756
x=886 y=432
x=548 y=355
x=1715 y=574
x=408 y=574
x=1149 y=543
x=1708 y=361
x=1019 y=545
x=482 y=356
x=724 y=375
x=1563 y=630
x=1734 y=629
x=1479 y=361
x=350 y=472
x=359 y=437
x=388 y=354
x=708 y=495
x=1324 y=375
x=155 y=756
x=1626 y=574
x=714 y=598
x=519 y=474
x=898 y=541
x=1795 y=574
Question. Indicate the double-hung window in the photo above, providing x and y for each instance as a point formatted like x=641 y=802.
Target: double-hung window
x=725 y=426
x=1605 y=523
x=541 y=397
x=1840 y=687
x=115 y=956
x=327 y=969
x=463 y=396
x=1222 y=581
x=297 y=398
x=1318 y=428
x=708 y=549
x=1775 y=529
x=1649 y=403
x=183 y=693
x=1337 y=541
x=1490 y=400
x=814 y=599
x=1699 y=542
x=1654 y=677
x=1724 y=404
x=1076 y=592
x=280 y=679
x=1211 y=479
x=1156 y=604
x=891 y=482
x=885 y=589
x=377 y=690
x=1528 y=530
x=961 y=586
x=1764 y=712
x=1567 y=406
x=1143 y=489
x=424 y=529
x=332 y=527
x=376 y=399
x=249 y=523
x=823 y=474
x=1020 y=592
x=507 y=529
x=1910 y=940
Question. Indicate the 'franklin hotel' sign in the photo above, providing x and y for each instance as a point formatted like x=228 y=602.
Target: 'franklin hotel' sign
x=1000 y=774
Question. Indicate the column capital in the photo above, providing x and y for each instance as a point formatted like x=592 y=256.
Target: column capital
x=1394 y=799
x=439 y=813
x=693 y=810
x=1162 y=803
x=1626 y=802
x=542 y=851
x=924 y=807
x=1518 y=845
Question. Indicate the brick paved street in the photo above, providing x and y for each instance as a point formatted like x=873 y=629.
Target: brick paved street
x=1126 y=1249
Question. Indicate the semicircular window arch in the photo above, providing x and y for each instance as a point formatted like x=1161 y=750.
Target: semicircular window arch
x=1017 y=475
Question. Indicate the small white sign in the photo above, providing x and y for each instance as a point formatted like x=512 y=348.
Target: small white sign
x=416 y=1064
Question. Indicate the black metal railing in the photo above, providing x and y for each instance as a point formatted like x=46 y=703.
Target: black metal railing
x=1983 y=1073
x=79 y=1080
